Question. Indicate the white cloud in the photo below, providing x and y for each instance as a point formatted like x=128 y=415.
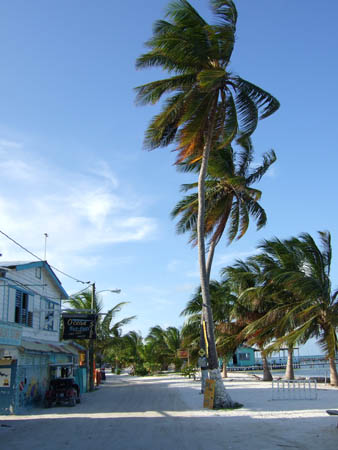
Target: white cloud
x=17 y=170
x=78 y=211
x=5 y=144
x=103 y=170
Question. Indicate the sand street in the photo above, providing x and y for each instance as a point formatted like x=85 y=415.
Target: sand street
x=165 y=413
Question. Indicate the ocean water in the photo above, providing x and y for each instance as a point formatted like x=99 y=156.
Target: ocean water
x=312 y=370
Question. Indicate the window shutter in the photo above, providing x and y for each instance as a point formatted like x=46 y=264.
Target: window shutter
x=18 y=307
x=30 y=319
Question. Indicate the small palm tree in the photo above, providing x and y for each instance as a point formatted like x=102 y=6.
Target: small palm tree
x=106 y=331
x=251 y=305
x=131 y=350
x=165 y=344
x=222 y=302
x=303 y=269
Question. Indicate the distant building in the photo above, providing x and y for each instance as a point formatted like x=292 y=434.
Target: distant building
x=242 y=357
x=30 y=348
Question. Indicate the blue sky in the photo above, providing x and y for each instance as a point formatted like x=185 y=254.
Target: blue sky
x=71 y=156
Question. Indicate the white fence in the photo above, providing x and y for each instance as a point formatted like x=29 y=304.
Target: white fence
x=294 y=390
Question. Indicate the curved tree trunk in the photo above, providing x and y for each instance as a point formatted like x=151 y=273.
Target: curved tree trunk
x=289 y=372
x=222 y=398
x=333 y=372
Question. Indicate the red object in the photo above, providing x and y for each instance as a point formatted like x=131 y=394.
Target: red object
x=98 y=377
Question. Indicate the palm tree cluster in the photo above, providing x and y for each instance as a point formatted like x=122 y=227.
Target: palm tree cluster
x=206 y=109
x=281 y=296
x=145 y=356
x=154 y=353
x=108 y=332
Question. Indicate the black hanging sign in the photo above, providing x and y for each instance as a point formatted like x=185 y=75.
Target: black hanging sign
x=79 y=326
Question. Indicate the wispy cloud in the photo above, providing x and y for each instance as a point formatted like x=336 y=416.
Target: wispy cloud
x=79 y=211
x=103 y=170
x=6 y=144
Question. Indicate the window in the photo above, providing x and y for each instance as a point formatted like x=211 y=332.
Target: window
x=22 y=315
x=38 y=272
x=244 y=356
x=49 y=316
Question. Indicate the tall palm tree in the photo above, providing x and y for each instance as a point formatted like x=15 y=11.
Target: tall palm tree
x=206 y=103
x=303 y=269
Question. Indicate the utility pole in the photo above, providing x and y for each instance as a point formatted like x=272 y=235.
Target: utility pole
x=46 y=236
x=91 y=347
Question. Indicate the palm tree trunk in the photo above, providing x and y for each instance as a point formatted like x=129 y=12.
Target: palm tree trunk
x=224 y=371
x=333 y=372
x=289 y=372
x=266 y=370
x=211 y=253
x=222 y=398
x=215 y=240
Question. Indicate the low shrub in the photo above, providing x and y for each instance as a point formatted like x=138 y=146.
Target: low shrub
x=188 y=371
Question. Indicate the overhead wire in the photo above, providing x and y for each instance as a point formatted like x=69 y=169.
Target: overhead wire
x=40 y=259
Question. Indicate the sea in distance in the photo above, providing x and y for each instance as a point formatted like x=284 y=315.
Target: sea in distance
x=304 y=367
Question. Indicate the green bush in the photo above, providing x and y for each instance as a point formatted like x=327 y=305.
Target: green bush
x=152 y=367
x=178 y=363
x=140 y=370
x=188 y=371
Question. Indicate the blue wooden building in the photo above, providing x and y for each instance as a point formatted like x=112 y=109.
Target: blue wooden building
x=243 y=357
x=30 y=347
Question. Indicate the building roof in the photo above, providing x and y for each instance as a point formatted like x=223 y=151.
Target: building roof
x=22 y=265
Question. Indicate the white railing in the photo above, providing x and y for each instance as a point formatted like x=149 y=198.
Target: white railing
x=294 y=390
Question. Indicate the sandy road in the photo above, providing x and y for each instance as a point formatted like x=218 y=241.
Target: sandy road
x=124 y=413
x=163 y=413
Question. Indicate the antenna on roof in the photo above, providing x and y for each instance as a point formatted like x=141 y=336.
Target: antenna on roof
x=46 y=236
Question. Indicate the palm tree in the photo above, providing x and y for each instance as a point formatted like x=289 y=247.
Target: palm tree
x=280 y=319
x=229 y=198
x=106 y=331
x=250 y=307
x=131 y=351
x=206 y=104
x=222 y=302
x=303 y=269
x=164 y=344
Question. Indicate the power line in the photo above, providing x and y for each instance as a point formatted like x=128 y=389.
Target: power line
x=28 y=288
x=40 y=259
